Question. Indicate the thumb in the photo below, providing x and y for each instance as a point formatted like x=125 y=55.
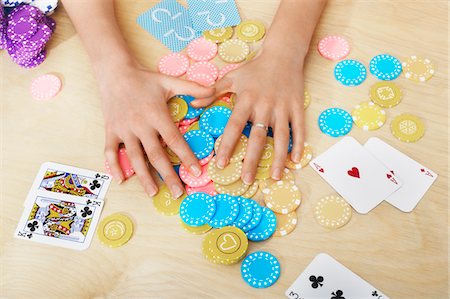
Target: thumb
x=180 y=86
x=222 y=86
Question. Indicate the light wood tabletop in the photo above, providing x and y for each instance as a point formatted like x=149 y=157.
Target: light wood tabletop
x=403 y=254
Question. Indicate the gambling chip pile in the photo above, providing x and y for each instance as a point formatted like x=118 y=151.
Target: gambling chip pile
x=26 y=29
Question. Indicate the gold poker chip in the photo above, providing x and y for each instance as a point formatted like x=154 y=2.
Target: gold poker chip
x=386 y=94
x=196 y=230
x=115 y=230
x=194 y=126
x=250 y=31
x=174 y=159
x=306 y=99
x=267 y=153
x=262 y=173
x=235 y=189
x=239 y=150
x=418 y=69
x=164 y=202
x=368 y=116
x=251 y=190
x=285 y=223
x=407 y=127
x=287 y=176
x=332 y=212
x=233 y=51
x=229 y=175
x=282 y=197
x=226 y=245
x=306 y=157
x=218 y=35
x=178 y=108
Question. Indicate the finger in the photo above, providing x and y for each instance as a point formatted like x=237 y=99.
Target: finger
x=298 y=132
x=158 y=159
x=232 y=132
x=223 y=86
x=112 y=143
x=180 y=86
x=281 y=139
x=136 y=156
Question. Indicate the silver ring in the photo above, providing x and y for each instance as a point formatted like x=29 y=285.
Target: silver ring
x=262 y=126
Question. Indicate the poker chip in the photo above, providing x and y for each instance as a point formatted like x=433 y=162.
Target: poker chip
x=335 y=122
x=191 y=180
x=251 y=191
x=227 y=245
x=194 y=126
x=250 y=31
x=287 y=176
x=267 y=154
x=306 y=157
x=201 y=49
x=332 y=212
x=226 y=176
x=206 y=160
x=235 y=189
x=226 y=69
x=282 y=197
x=239 y=150
x=385 y=67
x=188 y=121
x=368 y=116
x=286 y=223
x=227 y=209
x=203 y=67
x=165 y=204
x=200 y=142
x=306 y=99
x=260 y=269
x=193 y=113
x=245 y=212
x=218 y=35
x=178 y=108
x=418 y=69
x=262 y=172
x=386 y=94
x=124 y=163
x=333 y=47
x=233 y=51
x=46 y=6
x=197 y=209
x=208 y=189
x=196 y=230
x=407 y=127
x=173 y=64
x=173 y=158
x=21 y=28
x=350 y=72
x=45 y=87
x=247 y=129
x=202 y=79
x=115 y=230
x=214 y=120
x=265 y=228
x=256 y=217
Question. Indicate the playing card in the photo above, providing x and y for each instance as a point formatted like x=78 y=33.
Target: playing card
x=59 y=178
x=416 y=178
x=59 y=219
x=356 y=175
x=210 y=14
x=170 y=23
x=326 y=278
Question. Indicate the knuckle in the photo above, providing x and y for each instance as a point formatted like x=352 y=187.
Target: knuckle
x=173 y=138
x=155 y=156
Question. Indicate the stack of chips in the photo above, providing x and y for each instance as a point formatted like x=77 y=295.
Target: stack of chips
x=46 y=6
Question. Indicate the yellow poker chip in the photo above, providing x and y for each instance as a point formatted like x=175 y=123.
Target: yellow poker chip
x=418 y=69
x=239 y=149
x=368 y=116
x=194 y=126
x=251 y=190
x=178 y=108
x=220 y=103
x=174 y=159
x=407 y=127
x=304 y=160
x=267 y=154
x=226 y=245
x=218 y=35
x=262 y=173
x=229 y=175
x=332 y=212
x=196 y=230
x=251 y=55
x=386 y=94
x=164 y=202
x=233 y=51
x=250 y=31
x=306 y=99
x=285 y=224
x=287 y=176
x=235 y=189
x=282 y=197
x=115 y=230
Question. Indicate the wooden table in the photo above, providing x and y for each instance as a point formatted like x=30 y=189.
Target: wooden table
x=403 y=254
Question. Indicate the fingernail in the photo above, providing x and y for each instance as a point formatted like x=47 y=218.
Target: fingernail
x=276 y=174
x=119 y=181
x=176 y=191
x=221 y=163
x=296 y=158
x=195 y=170
x=151 y=190
x=248 y=179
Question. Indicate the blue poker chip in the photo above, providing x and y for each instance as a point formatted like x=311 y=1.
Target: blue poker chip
x=335 y=122
x=197 y=209
x=200 y=142
x=214 y=120
x=247 y=129
x=290 y=140
x=176 y=168
x=260 y=269
x=265 y=229
x=245 y=212
x=385 y=67
x=227 y=209
x=270 y=132
x=192 y=112
x=256 y=217
x=350 y=72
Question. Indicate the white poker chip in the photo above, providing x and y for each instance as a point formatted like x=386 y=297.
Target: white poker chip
x=46 y=6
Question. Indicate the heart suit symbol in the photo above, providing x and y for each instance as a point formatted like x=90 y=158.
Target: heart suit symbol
x=354 y=172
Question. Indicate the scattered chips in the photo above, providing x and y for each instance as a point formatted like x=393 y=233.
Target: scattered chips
x=115 y=230
x=227 y=245
x=200 y=142
x=45 y=87
x=256 y=218
x=233 y=51
x=178 y=108
x=201 y=49
x=245 y=212
x=385 y=67
x=386 y=94
x=173 y=64
x=251 y=191
x=164 y=202
x=201 y=68
x=265 y=228
x=282 y=197
x=191 y=180
x=218 y=35
x=333 y=47
x=227 y=209
x=235 y=189
x=332 y=212
x=214 y=120
x=286 y=223
x=407 y=127
x=250 y=31
x=335 y=122
x=197 y=209
x=368 y=116
x=239 y=150
x=418 y=69
x=229 y=175
x=260 y=269
x=350 y=72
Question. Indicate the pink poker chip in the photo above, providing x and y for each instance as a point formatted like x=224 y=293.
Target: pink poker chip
x=208 y=189
x=333 y=47
x=188 y=121
x=124 y=163
x=191 y=180
x=183 y=129
x=203 y=67
x=45 y=87
x=226 y=69
x=173 y=64
x=206 y=159
x=201 y=49
x=202 y=79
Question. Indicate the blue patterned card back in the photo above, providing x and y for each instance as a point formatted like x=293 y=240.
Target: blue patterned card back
x=210 y=14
